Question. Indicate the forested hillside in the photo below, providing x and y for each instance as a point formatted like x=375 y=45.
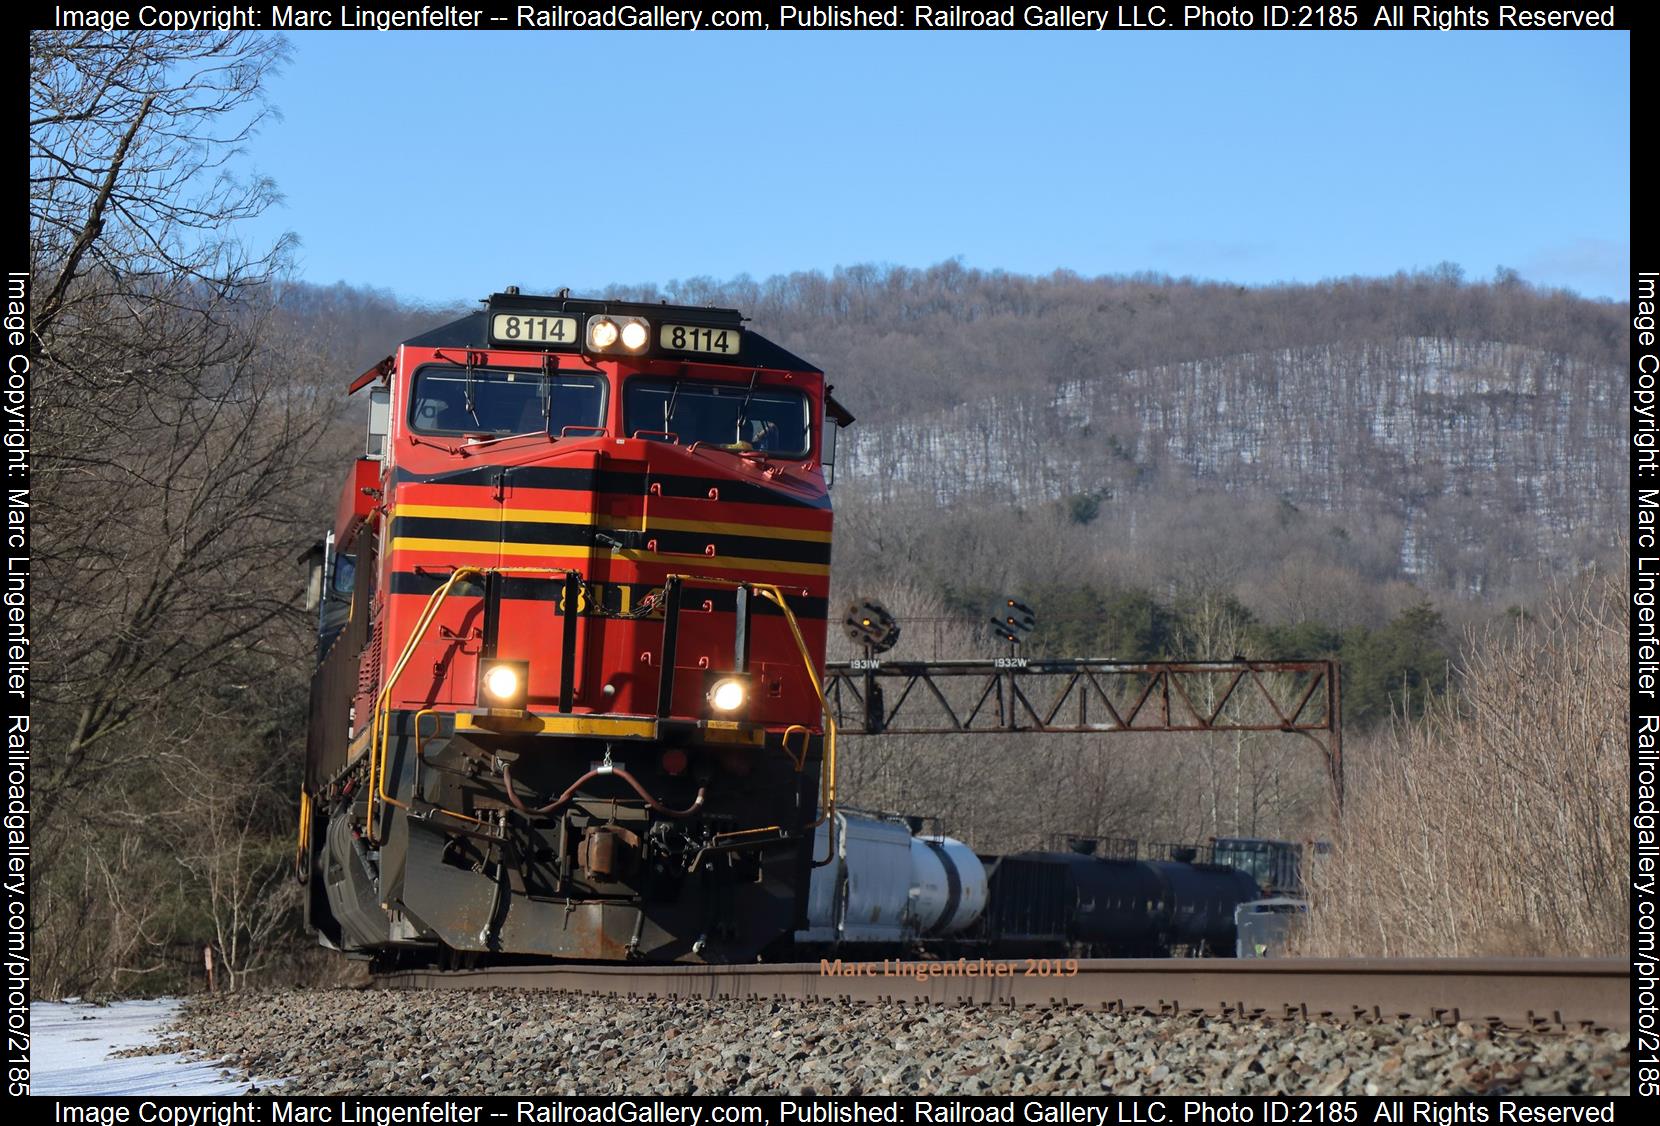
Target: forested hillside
x=1465 y=437
x=1456 y=435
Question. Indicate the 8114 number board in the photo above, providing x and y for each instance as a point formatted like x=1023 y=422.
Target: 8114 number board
x=692 y=338
x=532 y=328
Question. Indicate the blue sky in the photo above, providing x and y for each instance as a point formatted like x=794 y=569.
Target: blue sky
x=444 y=166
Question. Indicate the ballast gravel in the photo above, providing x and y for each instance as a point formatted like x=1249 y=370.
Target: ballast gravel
x=513 y=1042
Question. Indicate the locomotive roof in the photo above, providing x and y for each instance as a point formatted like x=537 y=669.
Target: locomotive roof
x=756 y=350
x=472 y=331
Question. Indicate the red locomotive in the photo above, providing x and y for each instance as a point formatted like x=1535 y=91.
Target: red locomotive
x=571 y=632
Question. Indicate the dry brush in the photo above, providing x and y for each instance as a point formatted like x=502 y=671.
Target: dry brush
x=1498 y=825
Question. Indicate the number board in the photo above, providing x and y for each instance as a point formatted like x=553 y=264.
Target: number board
x=532 y=328
x=695 y=338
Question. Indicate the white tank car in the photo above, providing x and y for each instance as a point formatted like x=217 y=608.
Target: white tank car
x=885 y=887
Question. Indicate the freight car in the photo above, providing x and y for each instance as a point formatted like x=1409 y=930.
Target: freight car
x=571 y=621
x=1103 y=907
x=888 y=890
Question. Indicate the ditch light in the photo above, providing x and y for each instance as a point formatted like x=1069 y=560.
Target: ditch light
x=728 y=695
x=504 y=684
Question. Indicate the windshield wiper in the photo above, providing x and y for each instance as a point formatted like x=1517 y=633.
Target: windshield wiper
x=743 y=407
x=547 y=395
x=472 y=395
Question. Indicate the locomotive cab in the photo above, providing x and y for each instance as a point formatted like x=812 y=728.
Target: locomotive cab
x=575 y=708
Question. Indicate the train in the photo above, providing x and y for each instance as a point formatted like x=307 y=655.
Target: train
x=889 y=889
x=571 y=619
x=569 y=693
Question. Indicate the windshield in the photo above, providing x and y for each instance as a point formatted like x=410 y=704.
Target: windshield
x=1252 y=860
x=516 y=401
x=721 y=414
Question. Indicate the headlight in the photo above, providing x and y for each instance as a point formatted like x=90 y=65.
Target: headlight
x=618 y=334
x=503 y=684
x=602 y=332
x=728 y=695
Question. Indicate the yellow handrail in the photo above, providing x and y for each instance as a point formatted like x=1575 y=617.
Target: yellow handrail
x=381 y=725
x=800 y=760
x=827 y=776
x=381 y=722
x=304 y=842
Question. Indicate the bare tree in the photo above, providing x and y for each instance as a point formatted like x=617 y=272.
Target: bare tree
x=178 y=419
x=173 y=430
x=133 y=140
x=156 y=549
x=239 y=872
x=1214 y=629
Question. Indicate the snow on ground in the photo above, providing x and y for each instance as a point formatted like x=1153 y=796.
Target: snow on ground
x=74 y=1046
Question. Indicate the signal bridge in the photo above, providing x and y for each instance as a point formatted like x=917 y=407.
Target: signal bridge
x=1096 y=696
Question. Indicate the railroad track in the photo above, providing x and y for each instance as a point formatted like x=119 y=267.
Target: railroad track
x=1532 y=993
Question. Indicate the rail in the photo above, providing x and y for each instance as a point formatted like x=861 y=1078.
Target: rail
x=1500 y=992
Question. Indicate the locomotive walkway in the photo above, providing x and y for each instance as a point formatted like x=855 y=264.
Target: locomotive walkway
x=1526 y=993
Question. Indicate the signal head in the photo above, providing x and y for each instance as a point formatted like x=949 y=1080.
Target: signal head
x=869 y=623
x=1013 y=620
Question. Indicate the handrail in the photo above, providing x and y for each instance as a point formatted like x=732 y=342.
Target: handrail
x=381 y=721
x=420 y=757
x=381 y=724
x=827 y=776
x=303 y=844
x=800 y=759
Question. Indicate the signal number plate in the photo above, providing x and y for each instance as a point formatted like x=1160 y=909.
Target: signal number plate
x=690 y=338
x=532 y=328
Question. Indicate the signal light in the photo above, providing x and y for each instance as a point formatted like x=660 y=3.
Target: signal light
x=1013 y=621
x=868 y=623
x=502 y=682
x=602 y=332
